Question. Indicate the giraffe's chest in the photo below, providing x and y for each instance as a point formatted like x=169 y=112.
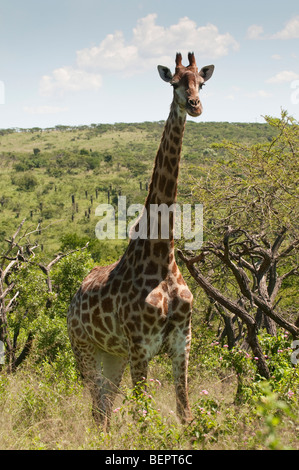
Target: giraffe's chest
x=169 y=298
x=155 y=308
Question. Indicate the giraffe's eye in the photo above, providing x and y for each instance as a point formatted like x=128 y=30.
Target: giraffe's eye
x=201 y=85
x=175 y=85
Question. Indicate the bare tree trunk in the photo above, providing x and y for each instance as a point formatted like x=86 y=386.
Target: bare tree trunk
x=252 y=340
x=25 y=352
x=228 y=330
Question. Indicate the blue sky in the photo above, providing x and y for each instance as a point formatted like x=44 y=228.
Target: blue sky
x=95 y=61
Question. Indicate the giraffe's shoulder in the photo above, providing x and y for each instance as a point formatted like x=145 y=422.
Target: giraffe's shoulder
x=98 y=277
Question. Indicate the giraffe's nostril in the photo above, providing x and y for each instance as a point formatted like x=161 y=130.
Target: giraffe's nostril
x=194 y=102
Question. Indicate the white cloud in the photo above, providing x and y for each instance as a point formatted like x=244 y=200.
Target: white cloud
x=283 y=76
x=44 y=109
x=155 y=41
x=112 y=54
x=290 y=31
x=151 y=42
x=255 y=32
x=149 y=45
x=276 y=57
x=69 y=79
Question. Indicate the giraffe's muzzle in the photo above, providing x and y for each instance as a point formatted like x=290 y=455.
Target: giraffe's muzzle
x=194 y=107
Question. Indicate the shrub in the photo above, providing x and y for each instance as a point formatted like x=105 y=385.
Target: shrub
x=25 y=182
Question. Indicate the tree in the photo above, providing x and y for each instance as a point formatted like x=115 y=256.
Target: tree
x=26 y=292
x=108 y=158
x=25 y=182
x=251 y=235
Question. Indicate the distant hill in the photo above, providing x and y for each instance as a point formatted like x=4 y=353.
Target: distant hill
x=57 y=176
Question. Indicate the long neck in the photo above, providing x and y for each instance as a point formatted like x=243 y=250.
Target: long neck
x=163 y=186
x=162 y=192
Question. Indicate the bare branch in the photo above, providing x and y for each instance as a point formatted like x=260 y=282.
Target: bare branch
x=288 y=250
x=8 y=307
x=215 y=293
x=11 y=242
x=46 y=269
x=7 y=291
x=278 y=241
x=8 y=269
x=233 y=307
x=269 y=311
x=59 y=256
x=243 y=281
x=289 y=273
x=24 y=353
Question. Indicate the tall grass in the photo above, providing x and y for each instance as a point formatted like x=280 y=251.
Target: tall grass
x=47 y=407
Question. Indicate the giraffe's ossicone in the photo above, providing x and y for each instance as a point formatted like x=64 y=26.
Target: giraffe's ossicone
x=135 y=308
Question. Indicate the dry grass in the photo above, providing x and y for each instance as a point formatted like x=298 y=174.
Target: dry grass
x=49 y=411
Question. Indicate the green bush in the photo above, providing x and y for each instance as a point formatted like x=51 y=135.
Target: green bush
x=25 y=182
x=68 y=275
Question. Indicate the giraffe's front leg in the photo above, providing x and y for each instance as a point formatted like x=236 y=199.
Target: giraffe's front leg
x=138 y=364
x=180 y=373
x=179 y=352
x=107 y=387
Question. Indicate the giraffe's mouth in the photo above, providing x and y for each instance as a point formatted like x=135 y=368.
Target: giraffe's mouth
x=194 y=111
x=193 y=105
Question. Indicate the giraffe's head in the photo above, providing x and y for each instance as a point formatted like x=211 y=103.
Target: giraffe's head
x=186 y=82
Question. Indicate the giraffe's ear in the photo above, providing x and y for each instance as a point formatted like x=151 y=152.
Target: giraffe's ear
x=165 y=73
x=206 y=72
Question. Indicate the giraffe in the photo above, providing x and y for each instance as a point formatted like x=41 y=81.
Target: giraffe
x=131 y=310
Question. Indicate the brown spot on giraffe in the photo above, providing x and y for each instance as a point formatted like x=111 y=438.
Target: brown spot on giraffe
x=171 y=184
x=130 y=310
x=152 y=268
x=162 y=183
x=93 y=301
x=161 y=250
x=107 y=304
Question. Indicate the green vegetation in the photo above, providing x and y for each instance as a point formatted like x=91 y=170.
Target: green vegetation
x=55 y=178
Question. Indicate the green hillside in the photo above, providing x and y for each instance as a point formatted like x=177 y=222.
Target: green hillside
x=44 y=171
